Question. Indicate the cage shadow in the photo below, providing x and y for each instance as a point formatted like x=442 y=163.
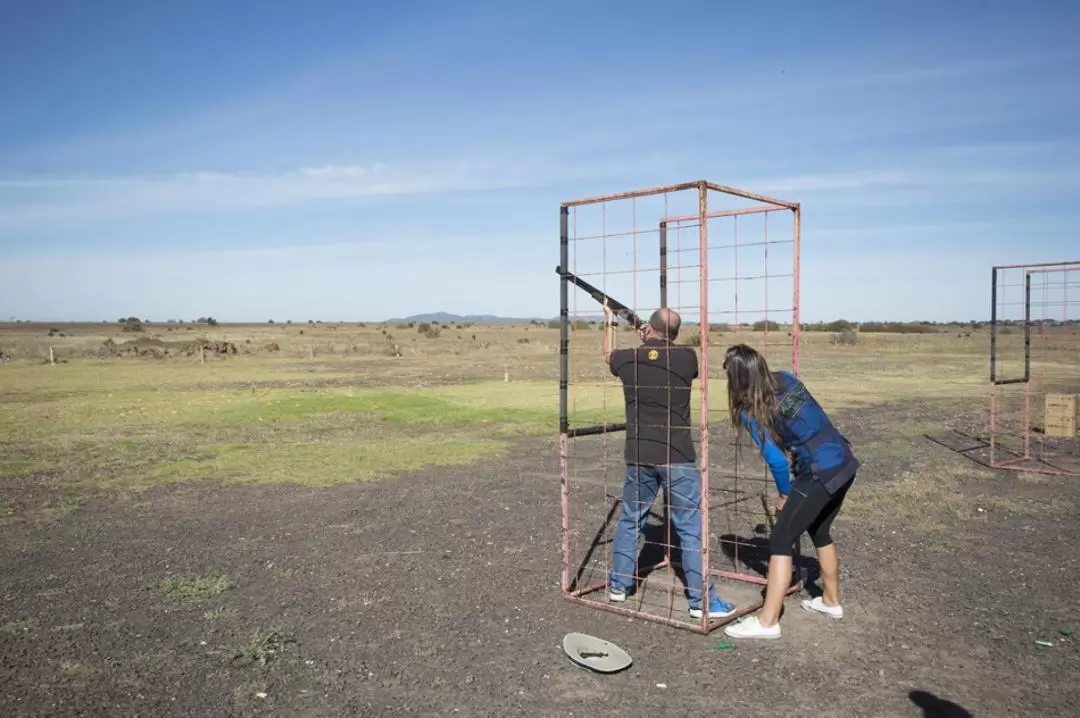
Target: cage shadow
x=657 y=533
x=1059 y=454
x=753 y=553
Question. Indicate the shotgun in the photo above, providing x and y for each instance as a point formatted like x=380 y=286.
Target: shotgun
x=620 y=309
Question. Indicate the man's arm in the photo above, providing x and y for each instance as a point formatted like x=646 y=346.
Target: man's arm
x=771 y=453
x=609 y=334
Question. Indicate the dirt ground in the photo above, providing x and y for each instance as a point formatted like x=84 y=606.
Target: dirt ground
x=438 y=594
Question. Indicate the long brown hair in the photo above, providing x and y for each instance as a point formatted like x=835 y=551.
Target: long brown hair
x=751 y=387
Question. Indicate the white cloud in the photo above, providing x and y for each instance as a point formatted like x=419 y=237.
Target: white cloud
x=73 y=200
x=61 y=200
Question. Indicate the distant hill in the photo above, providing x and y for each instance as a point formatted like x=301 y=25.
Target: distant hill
x=447 y=318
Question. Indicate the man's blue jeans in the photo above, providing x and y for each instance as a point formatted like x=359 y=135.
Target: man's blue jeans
x=640 y=487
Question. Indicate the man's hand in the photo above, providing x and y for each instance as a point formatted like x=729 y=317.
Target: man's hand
x=609 y=332
x=780 y=501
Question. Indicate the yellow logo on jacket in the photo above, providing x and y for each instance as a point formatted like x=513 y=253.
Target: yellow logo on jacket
x=653 y=354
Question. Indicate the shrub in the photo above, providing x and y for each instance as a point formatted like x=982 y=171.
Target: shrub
x=845 y=337
x=766 y=325
x=837 y=326
x=897 y=328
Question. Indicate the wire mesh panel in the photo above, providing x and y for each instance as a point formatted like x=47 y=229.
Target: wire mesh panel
x=1035 y=368
x=726 y=261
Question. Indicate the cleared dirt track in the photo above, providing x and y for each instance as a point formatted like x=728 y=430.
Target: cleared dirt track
x=437 y=594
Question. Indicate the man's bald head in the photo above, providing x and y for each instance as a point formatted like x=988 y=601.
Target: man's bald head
x=665 y=323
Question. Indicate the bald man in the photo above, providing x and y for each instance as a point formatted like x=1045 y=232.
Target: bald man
x=657 y=377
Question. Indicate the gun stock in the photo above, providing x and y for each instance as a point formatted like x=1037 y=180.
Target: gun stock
x=620 y=309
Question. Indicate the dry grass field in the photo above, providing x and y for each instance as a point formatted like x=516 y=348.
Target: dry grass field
x=338 y=519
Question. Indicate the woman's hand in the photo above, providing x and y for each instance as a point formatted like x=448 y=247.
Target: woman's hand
x=780 y=501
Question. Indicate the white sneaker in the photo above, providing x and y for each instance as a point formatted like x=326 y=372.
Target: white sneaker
x=616 y=596
x=817 y=605
x=752 y=628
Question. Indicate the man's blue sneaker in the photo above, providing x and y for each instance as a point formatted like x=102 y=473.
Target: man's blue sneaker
x=718 y=608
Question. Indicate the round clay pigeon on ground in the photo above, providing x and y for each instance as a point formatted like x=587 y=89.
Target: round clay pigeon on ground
x=595 y=654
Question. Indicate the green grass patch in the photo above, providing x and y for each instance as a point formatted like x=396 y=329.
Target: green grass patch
x=134 y=423
x=322 y=464
x=263 y=646
x=220 y=613
x=12 y=467
x=402 y=406
x=193 y=587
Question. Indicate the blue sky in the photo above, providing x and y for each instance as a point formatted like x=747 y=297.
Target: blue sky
x=346 y=161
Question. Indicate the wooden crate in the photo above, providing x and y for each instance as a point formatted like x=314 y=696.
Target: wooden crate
x=1062 y=404
x=1061 y=415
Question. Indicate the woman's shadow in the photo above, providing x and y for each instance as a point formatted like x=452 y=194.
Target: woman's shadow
x=934 y=707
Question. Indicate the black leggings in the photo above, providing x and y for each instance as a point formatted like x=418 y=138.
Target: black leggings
x=810 y=508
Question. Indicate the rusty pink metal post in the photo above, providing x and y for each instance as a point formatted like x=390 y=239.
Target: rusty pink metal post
x=581 y=574
x=796 y=212
x=703 y=347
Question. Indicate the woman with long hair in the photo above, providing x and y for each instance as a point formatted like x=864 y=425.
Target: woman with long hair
x=783 y=419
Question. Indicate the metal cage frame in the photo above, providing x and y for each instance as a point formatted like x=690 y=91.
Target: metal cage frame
x=1024 y=460
x=581 y=594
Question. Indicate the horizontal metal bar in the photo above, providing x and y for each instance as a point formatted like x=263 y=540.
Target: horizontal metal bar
x=593 y=430
x=1037 y=264
x=614 y=235
x=727 y=213
x=1050 y=270
x=740 y=245
x=631 y=613
x=751 y=195
x=634 y=194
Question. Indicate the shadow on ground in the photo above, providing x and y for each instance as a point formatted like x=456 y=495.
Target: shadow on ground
x=934 y=707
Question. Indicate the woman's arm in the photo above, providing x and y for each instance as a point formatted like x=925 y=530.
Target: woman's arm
x=773 y=455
